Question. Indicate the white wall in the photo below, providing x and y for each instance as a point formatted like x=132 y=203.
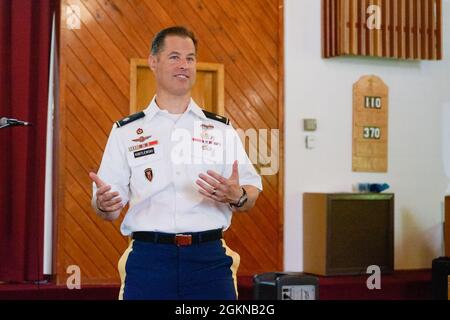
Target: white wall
x=322 y=89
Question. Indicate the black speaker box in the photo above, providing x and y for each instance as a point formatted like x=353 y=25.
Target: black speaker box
x=345 y=233
x=285 y=286
x=439 y=278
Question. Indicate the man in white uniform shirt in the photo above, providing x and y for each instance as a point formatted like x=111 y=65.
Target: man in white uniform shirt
x=184 y=172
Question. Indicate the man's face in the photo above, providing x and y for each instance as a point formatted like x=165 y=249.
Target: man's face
x=175 y=65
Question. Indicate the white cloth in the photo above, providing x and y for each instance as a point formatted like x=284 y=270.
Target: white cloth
x=173 y=151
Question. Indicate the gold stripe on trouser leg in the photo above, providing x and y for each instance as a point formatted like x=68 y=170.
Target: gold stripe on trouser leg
x=234 y=267
x=121 y=266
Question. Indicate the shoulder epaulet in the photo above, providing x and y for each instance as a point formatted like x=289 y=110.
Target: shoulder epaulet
x=130 y=119
x=214 y=116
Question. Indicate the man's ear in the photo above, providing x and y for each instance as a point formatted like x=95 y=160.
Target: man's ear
x=152 y=62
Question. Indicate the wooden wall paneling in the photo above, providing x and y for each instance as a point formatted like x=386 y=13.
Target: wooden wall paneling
x=332 y=33
x=334 y=28
x=439 y=45
x=60 y=259
x=220 y=45
x=349 y=26
x=350 y=21
x=378 y=50
x=255 y=25
x=340 y=27
x=88 y=245
x=247 y=37
x=384 y=27
x=131 y=24
x=329 y=27
x=418 y=38
x=268 y=11
x=432 y=29
x=362 y=30
x=268 y=73
x=369 y=35
x=414 y=30
x=399 y=26
x=89 y=253
x=410 y=29
x=244 y=70
x=390 y=43
x=126 y=39
x=381 y=32
x=99 y=116
x=100 y=45
x=324 y=30
x=424 y=19
x=82 y=62
x=74 y=256
x=266 y=53
x=78 y=190
x=260 y=50
x=82 y=78
x=395 y=29
x=407 y=11
x=253 y=10
x=373 y=35
x=422 y=29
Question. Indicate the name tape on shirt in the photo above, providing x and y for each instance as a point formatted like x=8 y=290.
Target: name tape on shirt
x=144 y=152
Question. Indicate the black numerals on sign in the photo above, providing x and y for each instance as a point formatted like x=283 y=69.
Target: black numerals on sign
x=372 y=102
x=371 y=133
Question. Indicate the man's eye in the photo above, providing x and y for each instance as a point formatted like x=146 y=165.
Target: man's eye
x=173 y=57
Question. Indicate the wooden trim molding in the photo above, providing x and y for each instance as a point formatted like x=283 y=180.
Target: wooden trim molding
x=402 y=29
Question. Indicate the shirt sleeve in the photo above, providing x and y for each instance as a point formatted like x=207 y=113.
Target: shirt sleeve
x=114 y=169
x=235 y=151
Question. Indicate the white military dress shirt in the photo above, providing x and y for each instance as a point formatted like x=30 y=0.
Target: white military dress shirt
x=154 y=161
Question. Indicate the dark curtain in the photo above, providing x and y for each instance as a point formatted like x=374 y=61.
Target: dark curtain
x=25 y=35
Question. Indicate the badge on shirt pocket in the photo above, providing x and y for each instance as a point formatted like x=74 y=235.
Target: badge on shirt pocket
x=149 y=174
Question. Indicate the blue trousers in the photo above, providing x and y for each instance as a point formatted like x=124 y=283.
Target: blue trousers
x=151 y=271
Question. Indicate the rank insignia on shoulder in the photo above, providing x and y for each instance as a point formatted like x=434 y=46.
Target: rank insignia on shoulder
x=130 y=119
x=214 y=116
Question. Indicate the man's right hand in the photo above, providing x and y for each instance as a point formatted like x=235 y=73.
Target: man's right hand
x=106 y=201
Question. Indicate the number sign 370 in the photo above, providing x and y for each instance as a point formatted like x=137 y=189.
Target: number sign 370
x=371 y=133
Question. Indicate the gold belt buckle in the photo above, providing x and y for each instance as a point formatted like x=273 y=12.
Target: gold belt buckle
x=183 y=239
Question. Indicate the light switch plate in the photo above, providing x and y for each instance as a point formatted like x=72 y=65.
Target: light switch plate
x=309 y=124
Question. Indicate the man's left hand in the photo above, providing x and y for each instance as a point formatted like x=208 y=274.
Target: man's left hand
x=219 y=188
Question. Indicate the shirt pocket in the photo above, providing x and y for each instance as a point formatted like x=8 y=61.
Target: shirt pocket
x=147 y=170
x=204 y=161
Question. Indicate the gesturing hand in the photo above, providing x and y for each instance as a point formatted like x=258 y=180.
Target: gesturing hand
x=219 y=188
x=106 y=201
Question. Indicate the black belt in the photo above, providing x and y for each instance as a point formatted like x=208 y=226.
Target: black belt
x=179 y=239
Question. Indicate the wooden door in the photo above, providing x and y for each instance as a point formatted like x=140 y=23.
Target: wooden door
x=207 y=92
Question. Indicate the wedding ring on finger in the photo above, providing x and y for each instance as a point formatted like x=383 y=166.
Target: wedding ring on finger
x=214 y=191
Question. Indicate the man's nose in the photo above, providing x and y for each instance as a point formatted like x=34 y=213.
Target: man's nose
x=183 y=64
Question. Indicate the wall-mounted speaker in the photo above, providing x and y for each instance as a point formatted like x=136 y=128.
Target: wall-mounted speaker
x=345 y=233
